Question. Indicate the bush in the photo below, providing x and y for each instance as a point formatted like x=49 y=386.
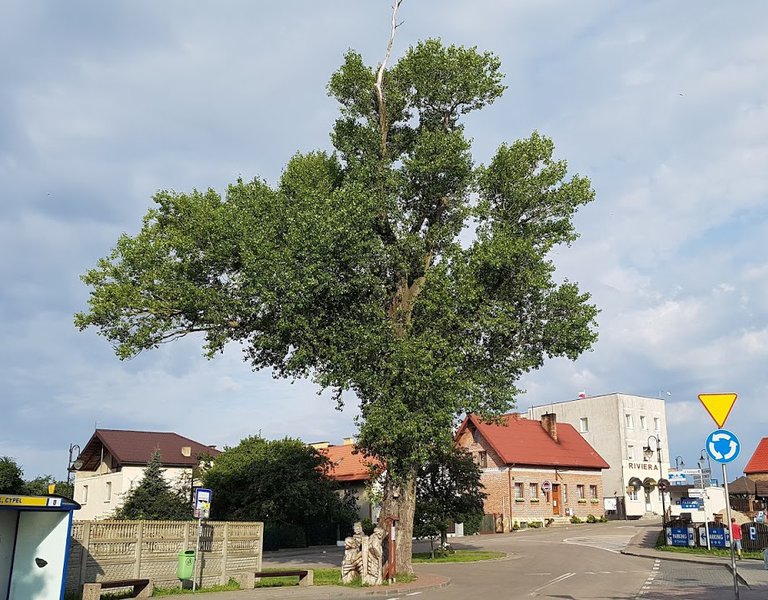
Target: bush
x=472 y=524
x=575 y=519
x=591 y=519
x=535 y=524
x=367 y=526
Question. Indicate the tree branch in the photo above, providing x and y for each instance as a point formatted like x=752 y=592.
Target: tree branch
x=379 y=85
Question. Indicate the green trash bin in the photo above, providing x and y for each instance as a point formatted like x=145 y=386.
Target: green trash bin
x=186 y=567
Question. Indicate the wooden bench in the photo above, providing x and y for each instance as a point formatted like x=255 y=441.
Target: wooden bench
x=142 y=588
x=306 y=576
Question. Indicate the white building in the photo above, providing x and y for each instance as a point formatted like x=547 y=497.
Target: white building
x=113 y=461
x=627 y=431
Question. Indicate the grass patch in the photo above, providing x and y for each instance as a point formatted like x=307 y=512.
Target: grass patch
x=174 y=591
x=321 y=577
x=701 y=551
x=460 y=556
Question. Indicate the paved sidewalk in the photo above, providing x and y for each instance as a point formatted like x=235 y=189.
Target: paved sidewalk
x=424 y=581
x=752 y=572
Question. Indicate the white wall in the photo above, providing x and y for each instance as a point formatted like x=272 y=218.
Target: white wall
x=98 y=505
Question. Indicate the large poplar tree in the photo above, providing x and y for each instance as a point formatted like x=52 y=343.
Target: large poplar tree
x=392 y=267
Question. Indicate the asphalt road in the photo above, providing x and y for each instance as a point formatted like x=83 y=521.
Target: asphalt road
x=582 y=562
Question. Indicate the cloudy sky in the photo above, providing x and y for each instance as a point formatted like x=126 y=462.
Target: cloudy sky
x=664 y=105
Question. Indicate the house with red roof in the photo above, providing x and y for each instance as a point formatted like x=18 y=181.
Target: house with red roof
x=757 y=467
x=352 y=471
x=113 y=461
x=534 y=470
x=749 y=493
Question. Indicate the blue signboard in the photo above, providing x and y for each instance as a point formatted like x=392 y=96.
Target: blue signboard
x=690 y=503
x=679 y=536
x=718 y=538
x=722 y=446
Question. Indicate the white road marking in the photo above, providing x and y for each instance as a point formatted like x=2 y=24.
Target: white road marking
x=562 y=577
x=413 y=594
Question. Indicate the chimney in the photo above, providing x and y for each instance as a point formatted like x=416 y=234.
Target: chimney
x=320 y=445
x=349 y=441
x=549 y=423
x=186 y=450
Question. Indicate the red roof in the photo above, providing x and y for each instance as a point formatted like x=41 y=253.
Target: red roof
x=137 y=447
x=524 y=442
x=347 y=463
x=759 y=461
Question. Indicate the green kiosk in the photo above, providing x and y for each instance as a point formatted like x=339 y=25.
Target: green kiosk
x=34 y=546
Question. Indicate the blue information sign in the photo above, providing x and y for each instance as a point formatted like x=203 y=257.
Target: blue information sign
x=722 y=446
x=719 y=537
x=679 y=536
x=690 y=503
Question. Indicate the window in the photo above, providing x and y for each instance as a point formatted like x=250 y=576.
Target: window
x=628 y=420
x=583 y=424
x=580 y=491
x=630 y=452
x=657 y=423
x=632 y=493
x=593 y=492
x=475 y=435
x=108 y=492
x=564 y=492
x=85 y=494
x=482 y=459
x=533 y=489
x=519 y=491
x=643 y=424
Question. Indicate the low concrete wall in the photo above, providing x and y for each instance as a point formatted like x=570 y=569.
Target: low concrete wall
x=110 y=550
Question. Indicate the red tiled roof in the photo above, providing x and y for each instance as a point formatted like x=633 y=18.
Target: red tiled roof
x=524 y=442
x=347 y=464
x=759 y=461
x=137 y=447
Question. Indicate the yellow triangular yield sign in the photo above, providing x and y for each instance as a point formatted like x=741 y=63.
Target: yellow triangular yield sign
x=718 y=406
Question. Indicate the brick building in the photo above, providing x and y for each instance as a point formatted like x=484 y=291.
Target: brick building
x=534 y=470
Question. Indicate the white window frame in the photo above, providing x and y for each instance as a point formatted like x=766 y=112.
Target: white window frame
x=519 y=490
x=629 y=421
x=657 y=424
x=643 y=423
x=584 y=424
x=108 y=492
x=630 y=452
x=85 y=495
x=533 y=489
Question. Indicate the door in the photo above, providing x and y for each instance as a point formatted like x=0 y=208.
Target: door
x=648 y=505
x=557 y=500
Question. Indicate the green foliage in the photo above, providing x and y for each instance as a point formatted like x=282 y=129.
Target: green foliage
x=575 y=519
x=534 y=524
x=368 y=526
x=591 y=518
x=39 y=486
x=153 y=498
x=11 y=477
x=472 y=523
x=275 y=481
x=351 y=269
x=448 y=489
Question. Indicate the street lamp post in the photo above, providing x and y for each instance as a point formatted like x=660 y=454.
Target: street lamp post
x=72 y=462
x=648 y=453
x=679 y=463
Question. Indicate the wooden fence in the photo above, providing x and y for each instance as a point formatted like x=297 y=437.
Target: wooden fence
x=109 y=550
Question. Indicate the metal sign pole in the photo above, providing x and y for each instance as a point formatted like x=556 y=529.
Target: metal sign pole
x=728 y=518
x=197 y=552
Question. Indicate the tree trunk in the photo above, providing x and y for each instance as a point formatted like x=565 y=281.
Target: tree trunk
x=400 y=502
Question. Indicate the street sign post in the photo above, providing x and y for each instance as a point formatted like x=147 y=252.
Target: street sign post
x=723 y=447
x=546 y=486
x=202 y=511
